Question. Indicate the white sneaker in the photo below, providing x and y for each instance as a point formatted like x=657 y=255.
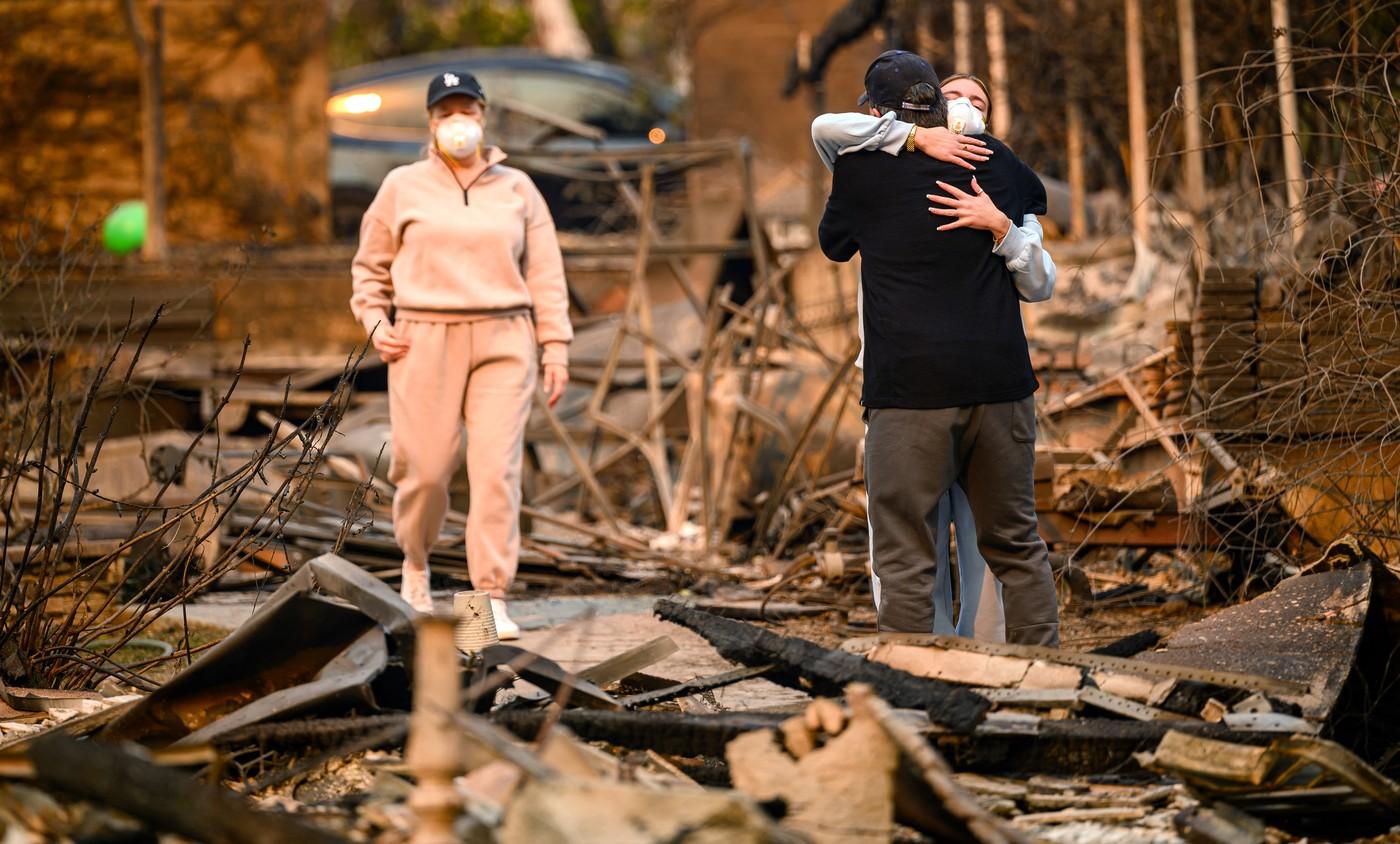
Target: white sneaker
x=505 y=628
x=413 y=588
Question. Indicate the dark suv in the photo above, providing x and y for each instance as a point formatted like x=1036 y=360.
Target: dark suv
x=378 y=122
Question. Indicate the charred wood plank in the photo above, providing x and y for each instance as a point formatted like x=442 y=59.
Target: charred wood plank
x=809 y=667
x=167 y=800
x=1072 y=746
x=1075 y=746
x=1130 y=645
x=669 y=733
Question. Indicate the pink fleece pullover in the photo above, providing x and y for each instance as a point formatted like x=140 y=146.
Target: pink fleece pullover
x=439 y=253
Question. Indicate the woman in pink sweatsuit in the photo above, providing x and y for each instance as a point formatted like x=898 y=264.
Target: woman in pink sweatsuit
x=462 y=250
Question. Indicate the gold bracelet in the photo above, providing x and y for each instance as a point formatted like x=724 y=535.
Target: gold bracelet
x=909 y=141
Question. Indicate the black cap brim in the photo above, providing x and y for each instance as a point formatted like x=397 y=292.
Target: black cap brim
x=451 y=83
x=462 y=91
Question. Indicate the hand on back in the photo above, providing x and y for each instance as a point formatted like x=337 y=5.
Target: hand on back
x=970 y=210
x=942 y=143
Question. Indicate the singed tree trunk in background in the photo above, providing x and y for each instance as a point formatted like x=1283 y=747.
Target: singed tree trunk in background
x=902 y=26
x=558 y=30
x=1288 y=118
x=1137 y=123
x=816 y=97
x=599 y=30
x=996 y=71
x=1074 y=133
x=926 y=46
x=1191 y=107
x=152 y=53
x=962 y=36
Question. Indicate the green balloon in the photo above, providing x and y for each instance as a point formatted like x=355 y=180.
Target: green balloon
x=124 y=230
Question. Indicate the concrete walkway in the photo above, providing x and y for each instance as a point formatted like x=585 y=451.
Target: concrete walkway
x=230 y=609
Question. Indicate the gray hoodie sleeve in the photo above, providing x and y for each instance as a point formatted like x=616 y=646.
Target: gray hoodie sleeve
x=1032 y=268
x=837 y=134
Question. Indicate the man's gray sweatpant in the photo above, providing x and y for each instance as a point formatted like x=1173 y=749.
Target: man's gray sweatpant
x=911 y=458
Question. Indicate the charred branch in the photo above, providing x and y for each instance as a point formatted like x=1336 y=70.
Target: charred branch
x=168 y=800
x=663 y=732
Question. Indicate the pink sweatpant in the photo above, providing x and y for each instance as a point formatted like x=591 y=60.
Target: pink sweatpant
x=481 y=373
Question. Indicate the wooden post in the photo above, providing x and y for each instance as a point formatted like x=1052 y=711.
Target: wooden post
x=679 y=513
x=1191 y=108
x=996 y=70
x=1137 y=124
x=962 y=36
x=719 y=297
x=765 y=297
x=434 y=751
x=1074 y=131
x=585 y=472
x=152 y=54
x=758 y=244
x=1288 y=118
x=650 y=362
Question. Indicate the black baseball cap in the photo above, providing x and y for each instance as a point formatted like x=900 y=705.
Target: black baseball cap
x=892 y=74
x=454 y=82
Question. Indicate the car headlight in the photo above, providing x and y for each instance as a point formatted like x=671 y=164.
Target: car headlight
x=354 y=104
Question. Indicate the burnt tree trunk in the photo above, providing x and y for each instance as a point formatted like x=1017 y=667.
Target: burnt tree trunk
x=152 y=53
x=558 y=30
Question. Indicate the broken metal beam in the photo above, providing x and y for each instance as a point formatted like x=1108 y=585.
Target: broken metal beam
x=1119 y=705
x=690 y=687
x=1033 y=698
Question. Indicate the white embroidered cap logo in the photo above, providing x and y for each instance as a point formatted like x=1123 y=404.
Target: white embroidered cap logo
x=451 y=80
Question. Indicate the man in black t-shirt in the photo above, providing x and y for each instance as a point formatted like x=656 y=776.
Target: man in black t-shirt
x=949 y=389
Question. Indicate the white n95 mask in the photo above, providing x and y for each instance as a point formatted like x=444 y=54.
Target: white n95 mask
x=458 y=136
x=964 y=118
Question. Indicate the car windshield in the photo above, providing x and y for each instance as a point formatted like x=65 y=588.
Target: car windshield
x=392 y=110
x=608 y=107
